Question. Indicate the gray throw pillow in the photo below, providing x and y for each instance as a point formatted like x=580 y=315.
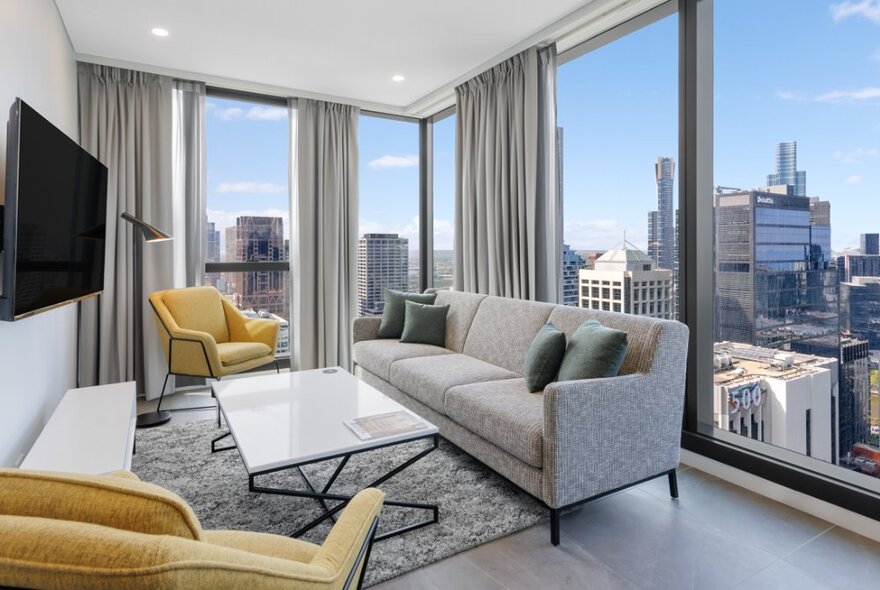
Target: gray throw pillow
x=544 y=357
x=425 y=324
x=394 y=313
x=593 y=351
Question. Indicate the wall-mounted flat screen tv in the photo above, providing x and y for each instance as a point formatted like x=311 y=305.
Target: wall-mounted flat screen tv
x=54 y=218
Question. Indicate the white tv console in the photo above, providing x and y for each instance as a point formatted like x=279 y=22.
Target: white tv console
x=91 y=431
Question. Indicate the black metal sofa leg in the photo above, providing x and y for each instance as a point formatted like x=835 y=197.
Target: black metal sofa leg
x=554 y=526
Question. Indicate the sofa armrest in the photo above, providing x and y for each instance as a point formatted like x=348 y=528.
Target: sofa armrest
x=602 y=434
x=365 y=329
x=263 y=330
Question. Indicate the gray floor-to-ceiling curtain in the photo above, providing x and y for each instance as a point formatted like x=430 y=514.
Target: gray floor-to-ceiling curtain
x=508 y=214
x=324 y=211
x=189 y=177
x=125 y=121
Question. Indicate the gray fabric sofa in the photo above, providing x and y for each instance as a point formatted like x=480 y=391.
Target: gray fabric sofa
x=574 y=441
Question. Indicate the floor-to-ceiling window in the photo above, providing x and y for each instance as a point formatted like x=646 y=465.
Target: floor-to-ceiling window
x=248 y=211
x=796 y=264
x=388 y=245
x=444 y=200
x=617 y=141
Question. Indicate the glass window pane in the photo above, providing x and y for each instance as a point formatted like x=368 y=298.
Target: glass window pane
x=388 y=248
x=617 y=141
x=444 y=202
x=248 y=211
x=796 y=169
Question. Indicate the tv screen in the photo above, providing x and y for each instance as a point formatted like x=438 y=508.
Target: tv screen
x=54 y=218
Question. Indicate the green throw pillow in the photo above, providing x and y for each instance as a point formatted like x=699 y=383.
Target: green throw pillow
x=394 y=313
x=544 y=357
x=594 y=351
x=425 y=324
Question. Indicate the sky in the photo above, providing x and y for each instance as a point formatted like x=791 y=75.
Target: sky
x=802 y=70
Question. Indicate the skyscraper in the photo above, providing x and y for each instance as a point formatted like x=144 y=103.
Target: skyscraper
x=382 y=264
x=786 y=169
x=854 y=411
x=258 y=239
x=772 y=287
x=860 y=309
x=870 y=244
x=663 y=224
x=212 y=253
x=572 y=263
x=820 y=229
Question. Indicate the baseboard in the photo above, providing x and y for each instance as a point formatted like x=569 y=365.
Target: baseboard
x=862 y=525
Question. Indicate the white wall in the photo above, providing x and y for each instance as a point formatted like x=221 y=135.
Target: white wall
x=37 y=354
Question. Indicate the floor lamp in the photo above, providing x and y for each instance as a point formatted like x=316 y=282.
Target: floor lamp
x=151 y=235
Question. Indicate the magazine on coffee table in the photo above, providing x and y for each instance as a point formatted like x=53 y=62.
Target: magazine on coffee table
x=383 y=425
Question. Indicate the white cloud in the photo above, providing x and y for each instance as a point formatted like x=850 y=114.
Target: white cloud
x=869 y=9
x=602 y=234
x=260 y=113
x=854 y=179
x=857 y=155
x=860 y=94
x=251 y=187
x=255 y=113
x=857 y=95
x=389 y=161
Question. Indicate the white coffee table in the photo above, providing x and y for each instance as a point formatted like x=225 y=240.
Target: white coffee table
x=289 y=420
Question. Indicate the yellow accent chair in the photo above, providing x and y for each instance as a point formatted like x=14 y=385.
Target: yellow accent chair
x=203 y=335
x=116 y=532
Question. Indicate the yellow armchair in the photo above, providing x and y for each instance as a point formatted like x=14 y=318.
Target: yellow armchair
x=203 y=335
x=75 y=531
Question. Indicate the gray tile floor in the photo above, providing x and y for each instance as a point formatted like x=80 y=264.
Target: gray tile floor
x=716 y=535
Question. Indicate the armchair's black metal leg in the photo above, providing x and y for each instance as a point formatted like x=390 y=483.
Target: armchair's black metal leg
x=277 y=366
x=554 y=526
x=150 y=419
x=673 y=484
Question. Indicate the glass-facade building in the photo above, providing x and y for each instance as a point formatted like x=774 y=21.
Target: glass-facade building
x=773 y=285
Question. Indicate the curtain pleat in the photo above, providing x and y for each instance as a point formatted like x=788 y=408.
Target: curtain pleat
x=324 y=211
x=507 y=216
x=125 y=121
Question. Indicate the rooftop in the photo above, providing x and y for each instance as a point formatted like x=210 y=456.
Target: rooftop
x=737 y=363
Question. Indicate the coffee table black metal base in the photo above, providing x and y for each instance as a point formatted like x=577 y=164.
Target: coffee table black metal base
x=324 y=495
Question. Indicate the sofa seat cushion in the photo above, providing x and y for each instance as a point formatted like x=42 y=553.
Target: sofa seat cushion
x=263 y=544
x=233 y=353
x=377 y=356
x=428 y=378
x=503 y=412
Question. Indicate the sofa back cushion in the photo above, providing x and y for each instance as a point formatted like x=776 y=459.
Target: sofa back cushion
x=199 y=309
x=641 y=331
x=503 y=330
x=108 y=501
x=462 y=308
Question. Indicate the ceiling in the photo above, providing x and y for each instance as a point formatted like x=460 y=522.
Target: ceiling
x=343 y=49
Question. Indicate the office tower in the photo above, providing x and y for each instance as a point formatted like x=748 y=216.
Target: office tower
x=786 y=169
x=258 y=239
x=212 y=253
x=850 y=266
x=661 y=223
x=860 y=309
x=772 y=287
x=382 y=264
x=572 y=263
x=781 y=398
x=625 y=280
x=854 y=411
x=870 y=244
x=820 y=229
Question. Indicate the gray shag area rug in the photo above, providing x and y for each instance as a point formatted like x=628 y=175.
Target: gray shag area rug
x=476 y=504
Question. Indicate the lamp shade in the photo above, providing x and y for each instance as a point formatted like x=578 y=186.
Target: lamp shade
x=151 y=234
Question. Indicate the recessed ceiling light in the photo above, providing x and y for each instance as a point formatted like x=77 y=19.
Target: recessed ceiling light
x=159 y=31
x=398 y=78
